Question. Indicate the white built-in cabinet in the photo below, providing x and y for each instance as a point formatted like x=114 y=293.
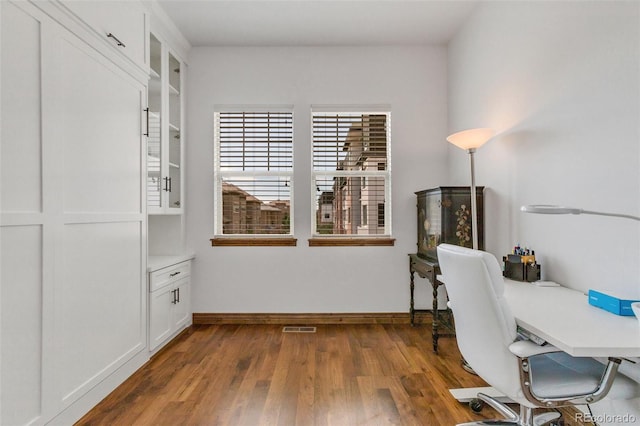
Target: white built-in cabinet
x=169 y=264
x=73 y=223
x=169 y=303
x=165 y=150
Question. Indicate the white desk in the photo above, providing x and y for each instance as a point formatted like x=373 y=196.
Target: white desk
x=564 y=318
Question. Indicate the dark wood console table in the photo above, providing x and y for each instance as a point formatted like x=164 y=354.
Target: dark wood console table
x=429 y=270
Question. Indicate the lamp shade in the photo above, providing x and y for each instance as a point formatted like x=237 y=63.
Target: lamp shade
x=472 y=138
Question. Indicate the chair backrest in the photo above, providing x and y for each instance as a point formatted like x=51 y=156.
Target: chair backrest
x=485 y=326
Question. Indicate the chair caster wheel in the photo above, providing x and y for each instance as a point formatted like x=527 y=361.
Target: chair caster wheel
x=476 y=405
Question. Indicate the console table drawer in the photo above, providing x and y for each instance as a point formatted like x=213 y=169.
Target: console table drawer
x=166 y=276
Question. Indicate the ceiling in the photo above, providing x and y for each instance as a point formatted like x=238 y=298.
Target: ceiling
x=317 y=22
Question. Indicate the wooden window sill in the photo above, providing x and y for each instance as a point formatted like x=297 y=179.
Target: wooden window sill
x=343 y=242
x=254 y=242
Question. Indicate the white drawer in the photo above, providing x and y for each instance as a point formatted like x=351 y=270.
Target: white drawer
x=169 y=275
x=124 y=20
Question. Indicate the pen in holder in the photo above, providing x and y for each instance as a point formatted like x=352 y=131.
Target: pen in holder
x=521 y=267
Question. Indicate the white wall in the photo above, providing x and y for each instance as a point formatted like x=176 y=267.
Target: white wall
x=315 y=279
x=560 y=82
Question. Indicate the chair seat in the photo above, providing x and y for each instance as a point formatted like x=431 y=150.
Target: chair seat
x=558 y=374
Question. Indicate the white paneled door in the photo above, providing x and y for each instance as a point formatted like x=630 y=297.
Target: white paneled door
x=73 y=219
x=96 y=125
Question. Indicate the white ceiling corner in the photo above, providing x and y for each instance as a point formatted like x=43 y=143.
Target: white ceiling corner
x=317 y=22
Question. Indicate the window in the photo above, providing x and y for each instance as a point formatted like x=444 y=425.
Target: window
x=253 y=173
x=351 y=171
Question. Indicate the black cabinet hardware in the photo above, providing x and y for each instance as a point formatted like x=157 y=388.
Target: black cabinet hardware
x=121 y=44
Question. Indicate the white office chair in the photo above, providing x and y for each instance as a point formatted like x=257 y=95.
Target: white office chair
x=529 y=374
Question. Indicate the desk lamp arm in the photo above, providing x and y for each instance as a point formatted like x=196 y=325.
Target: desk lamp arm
x=626 y=216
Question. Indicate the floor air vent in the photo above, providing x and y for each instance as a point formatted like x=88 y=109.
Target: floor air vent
x=290 y=329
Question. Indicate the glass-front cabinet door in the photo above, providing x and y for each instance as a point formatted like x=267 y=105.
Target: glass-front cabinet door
x=154 y=128
x=175 y=141
x=165 y=148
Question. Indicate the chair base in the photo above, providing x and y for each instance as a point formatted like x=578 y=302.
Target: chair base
x=525 y=418
x=538 y=420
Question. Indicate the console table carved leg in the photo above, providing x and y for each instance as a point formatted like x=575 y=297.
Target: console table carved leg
x=434 y=328
x=412 y=312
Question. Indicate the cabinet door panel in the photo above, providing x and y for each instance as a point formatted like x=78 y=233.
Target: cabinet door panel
x=124 y=19
x=99 y=319
x=165 y=185
x=21 y=295
x=182 y=314
x=161 y=303
x=21 y=153
x=99 y=129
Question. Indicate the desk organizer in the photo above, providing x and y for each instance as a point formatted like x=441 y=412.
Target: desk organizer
x=521 y=268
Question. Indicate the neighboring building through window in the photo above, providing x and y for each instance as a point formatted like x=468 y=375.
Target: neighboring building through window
x=351 y=170
x=253 y=172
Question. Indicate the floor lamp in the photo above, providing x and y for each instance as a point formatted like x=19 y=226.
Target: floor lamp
x=470 y=140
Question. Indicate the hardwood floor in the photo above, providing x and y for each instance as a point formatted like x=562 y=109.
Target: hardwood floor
x=257 y=375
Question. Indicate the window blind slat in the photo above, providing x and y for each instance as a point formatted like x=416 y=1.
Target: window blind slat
x=259 y=141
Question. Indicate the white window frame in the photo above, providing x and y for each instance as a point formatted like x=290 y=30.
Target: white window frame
x=220 y=174
x=386 y=174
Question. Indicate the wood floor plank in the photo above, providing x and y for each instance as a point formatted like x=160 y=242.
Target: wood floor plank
x=254 y=375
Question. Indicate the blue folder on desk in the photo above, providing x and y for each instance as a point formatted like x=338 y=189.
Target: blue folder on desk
x=611 y=303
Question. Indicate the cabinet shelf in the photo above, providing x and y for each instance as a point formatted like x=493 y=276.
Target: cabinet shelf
x=153 y=73
x=174 y=165
x=173 y=128
x=173 y=91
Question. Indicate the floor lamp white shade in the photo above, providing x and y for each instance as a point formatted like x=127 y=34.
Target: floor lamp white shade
x=470 y=140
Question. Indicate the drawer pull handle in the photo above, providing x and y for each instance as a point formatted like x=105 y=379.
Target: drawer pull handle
x=174 y=301
x=174 y=274
x=121 y=44
x=178 y=290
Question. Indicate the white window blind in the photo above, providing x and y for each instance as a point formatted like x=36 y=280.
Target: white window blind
x=351 y=173
x=253 y=172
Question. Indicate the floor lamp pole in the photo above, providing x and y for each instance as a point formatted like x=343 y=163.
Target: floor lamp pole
x=474 y=208
x=474 y=229
x=469 y=140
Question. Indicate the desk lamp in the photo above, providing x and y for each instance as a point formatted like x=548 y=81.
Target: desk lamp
x=550 y=209
x=470 y=140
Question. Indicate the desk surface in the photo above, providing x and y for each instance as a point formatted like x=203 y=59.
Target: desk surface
x=564 y=318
